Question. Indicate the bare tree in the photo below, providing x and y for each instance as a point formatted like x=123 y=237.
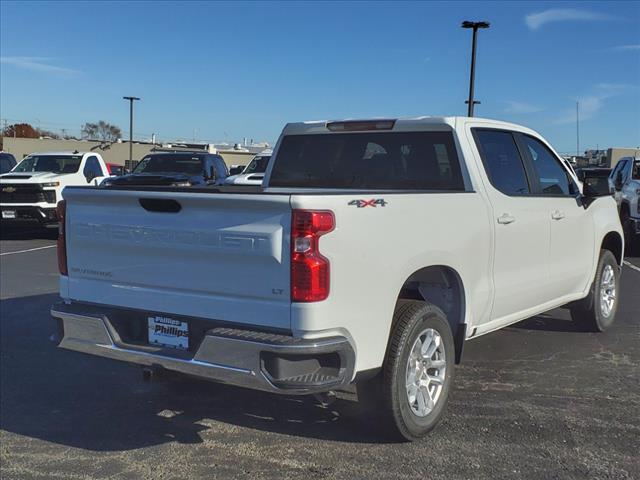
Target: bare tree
x=101 y=131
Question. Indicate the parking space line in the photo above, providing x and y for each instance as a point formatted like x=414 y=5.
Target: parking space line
x=632 y=266
x=28 y=250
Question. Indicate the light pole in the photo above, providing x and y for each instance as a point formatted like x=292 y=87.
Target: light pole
x=131 y=100
x=475 y=26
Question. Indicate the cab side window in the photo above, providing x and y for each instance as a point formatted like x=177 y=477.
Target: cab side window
x=616 y=169
x=92 y=168
x=551 y=175
x=626 y=171
x=502 y=161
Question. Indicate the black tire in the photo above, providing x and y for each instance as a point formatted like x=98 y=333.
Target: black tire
x=386 y=394
x=590 y=311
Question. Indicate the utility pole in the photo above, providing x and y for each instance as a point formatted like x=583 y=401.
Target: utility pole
x=577 y=129
x=131 y=100
x=475 y=26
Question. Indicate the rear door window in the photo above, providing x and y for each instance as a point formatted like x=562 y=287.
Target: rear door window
x=369 y=160
x=502 y=161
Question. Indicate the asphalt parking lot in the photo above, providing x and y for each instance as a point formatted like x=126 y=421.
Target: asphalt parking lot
x=541 y=399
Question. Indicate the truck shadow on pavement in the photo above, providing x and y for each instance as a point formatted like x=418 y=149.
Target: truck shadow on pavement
x=552 y=322
x=29 y=233
x=97 y=404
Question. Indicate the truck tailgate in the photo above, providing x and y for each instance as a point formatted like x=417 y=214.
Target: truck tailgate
x=221 y=256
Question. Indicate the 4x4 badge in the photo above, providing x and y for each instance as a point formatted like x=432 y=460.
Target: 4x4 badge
x=374 y=202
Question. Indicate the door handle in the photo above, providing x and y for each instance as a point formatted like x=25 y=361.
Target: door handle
x=506 y=219
x=557 y=215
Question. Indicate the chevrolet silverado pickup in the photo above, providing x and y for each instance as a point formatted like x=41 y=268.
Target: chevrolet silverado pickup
x=371 y=253
x=31 y=191
x=625 y=180
x=175 y=169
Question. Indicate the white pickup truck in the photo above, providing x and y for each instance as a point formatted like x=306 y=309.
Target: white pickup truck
x=625 y=181
x=31 y=191
x=375 y=250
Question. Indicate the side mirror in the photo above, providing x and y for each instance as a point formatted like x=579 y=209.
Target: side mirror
x=595 y=186
x=89 y=176
x=236 y=170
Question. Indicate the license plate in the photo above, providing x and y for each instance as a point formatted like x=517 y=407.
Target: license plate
x=168 y=332
x=8 y=214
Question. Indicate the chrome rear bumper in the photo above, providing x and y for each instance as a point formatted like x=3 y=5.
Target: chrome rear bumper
x=257 y=360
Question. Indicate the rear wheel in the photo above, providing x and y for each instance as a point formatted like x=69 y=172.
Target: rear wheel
x=410 y=394
x=598 y=311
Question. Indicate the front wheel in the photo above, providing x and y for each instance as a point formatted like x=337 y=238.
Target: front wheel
x=410 y=394
x=599 y=311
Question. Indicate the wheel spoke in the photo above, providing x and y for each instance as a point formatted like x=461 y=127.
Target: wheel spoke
x=428 y=398
x=426 y=343
x=431 y=349
x=422 y=401
x=437 y=363
x=412 y=391
x=436 y=379
x=411 y=376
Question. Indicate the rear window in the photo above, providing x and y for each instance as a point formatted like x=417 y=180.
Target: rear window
x=371 y=160
x=159 y=164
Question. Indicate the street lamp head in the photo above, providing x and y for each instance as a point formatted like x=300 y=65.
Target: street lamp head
x=475 y=25
x=130 y=98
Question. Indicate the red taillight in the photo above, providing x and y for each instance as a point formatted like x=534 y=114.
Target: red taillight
x=61 y=211
x=309 y=269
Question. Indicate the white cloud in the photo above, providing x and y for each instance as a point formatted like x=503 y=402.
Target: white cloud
x=536 y=20
x=37 y=64
x=590 y=105
x=625 y=48
x=521 y=107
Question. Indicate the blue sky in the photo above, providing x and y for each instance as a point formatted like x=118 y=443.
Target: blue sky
x=238 y=70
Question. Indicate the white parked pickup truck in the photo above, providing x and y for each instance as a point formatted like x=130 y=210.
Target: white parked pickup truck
x=252 y=174
x=31 y=191
x=374 y=250
x=625 y=181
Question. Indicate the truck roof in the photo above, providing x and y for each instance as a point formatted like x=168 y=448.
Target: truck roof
x=62 y=153
x=401 y=124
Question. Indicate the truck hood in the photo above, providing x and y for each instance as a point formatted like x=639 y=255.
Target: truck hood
x=33 y=177
x=245 y=179
x=150 y=180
